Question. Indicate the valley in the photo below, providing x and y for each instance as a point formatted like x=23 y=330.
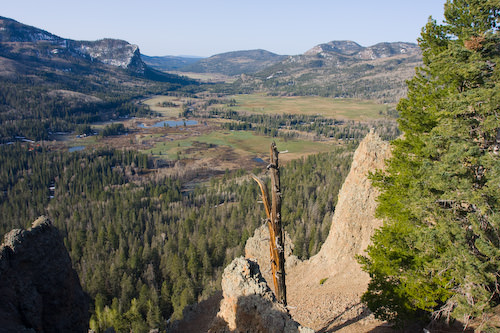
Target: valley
x=145 y=169
x=207 y=133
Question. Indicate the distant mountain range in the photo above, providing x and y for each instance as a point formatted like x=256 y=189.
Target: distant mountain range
x=29 y=50
x=336 y=69
x=235 y=63
x=341 y=69
x=170 y=63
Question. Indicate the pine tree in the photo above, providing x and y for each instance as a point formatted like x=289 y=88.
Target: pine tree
x=438 y=253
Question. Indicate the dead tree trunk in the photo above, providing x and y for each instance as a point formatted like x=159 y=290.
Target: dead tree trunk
x=273 y=212
x=279 y=245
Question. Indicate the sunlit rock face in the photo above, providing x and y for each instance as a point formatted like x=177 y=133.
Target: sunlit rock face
x=114 y=52
x=249 y=305
x=25 y=40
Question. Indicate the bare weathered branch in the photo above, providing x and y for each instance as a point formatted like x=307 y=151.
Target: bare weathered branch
x=273 y=212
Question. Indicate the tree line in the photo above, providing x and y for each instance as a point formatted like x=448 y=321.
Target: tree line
x=31 y=111
x=291 y=125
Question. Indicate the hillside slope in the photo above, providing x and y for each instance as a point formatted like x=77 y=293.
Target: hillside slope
x=235 y=63
x=27 y=45
x=49 y=84
x=340 y=69
x=169 y=63
x=27 y=50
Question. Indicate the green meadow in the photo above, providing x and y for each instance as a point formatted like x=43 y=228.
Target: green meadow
x=242 y=142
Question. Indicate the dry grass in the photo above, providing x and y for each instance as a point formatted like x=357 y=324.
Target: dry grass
x=309 y=105
x=155 y=104
x=207 y=77
x=206 y=147
x=241 y=143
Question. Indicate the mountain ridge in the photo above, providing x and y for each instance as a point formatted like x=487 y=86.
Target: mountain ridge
x=235 y=62
x=252 y=61
x=340 y=69
x=351 y=48
x=35 y=66
x=24 y=43
x=169 y=62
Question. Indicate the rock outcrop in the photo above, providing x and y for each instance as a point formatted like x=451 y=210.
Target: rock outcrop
x=24 y=40
x=324 y=292
x=39 y=289
x=257 y=248
x=248 y=304
x=326 y=289
x=114 y=52
x=354 y=221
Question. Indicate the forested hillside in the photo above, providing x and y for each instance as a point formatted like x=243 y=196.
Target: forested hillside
x=235 y=63
x=341 y=69
x=49 y=84
x=438 y=254
x=142 y=246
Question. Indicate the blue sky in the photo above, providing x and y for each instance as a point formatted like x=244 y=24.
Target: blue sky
x=205 y=28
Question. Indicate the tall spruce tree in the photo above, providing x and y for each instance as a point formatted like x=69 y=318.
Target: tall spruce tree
x=438 y=253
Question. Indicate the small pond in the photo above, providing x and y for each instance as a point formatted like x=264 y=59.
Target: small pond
x=76 y=148
x=259 y=160
x=170 y=123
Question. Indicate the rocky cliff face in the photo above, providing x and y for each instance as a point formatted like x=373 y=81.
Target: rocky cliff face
x=39 y=289
x=257 y=248
x=323 y=292
x=19 y=40
x=118 y=53
x=332 y=278
x=350 y=49
x=354 y=220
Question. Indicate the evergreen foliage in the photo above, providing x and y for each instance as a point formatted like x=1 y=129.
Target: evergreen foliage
x=29 y=110
x=292 y=125
x=114 y=129
x=438 y=253
x=143 y=247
